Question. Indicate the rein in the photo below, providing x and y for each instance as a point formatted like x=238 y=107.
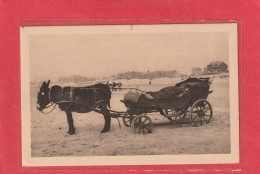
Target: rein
x=70 y=102
x=54 y=104
x=51 y=109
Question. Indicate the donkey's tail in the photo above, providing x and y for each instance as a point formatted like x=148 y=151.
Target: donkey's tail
x=108 y=103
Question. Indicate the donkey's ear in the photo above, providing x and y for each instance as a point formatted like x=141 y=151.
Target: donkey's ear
x=48 y=82
x=43 y=86
x=44 y=83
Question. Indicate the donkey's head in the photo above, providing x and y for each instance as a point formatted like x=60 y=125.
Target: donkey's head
x=43 y=96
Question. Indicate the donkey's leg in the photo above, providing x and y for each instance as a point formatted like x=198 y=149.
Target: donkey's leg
x=70 y=122
x=107 y=117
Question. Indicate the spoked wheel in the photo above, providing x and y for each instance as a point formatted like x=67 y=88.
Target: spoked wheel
x=127 y=119
x=142 y=124
x=200 y=113
x=178 y=116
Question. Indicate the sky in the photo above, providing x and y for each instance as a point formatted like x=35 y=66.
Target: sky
x=106 y=54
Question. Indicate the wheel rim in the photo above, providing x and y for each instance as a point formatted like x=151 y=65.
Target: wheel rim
x=142 y=125
x=127 y=121
x=201 y=113
x=177 y=118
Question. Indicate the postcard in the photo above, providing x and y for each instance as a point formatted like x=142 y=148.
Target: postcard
x=129 y=94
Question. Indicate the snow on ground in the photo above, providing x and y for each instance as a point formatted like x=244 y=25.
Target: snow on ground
x=49 y=137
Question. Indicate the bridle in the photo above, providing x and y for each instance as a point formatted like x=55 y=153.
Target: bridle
x=51 y=104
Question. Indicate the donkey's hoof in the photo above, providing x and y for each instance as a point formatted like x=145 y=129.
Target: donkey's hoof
x=71 y=132
x=104 y=131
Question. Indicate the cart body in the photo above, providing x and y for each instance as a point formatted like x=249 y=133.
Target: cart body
x=178 y=97
x=173 y=102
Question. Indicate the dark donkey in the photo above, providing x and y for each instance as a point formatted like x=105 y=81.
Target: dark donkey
x=77 y=99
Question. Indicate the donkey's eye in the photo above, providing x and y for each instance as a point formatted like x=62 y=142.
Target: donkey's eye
x=42 y=93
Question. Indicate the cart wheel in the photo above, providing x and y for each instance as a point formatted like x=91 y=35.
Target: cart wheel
x=179 y=116
x=200 y=113
x=142 y=124
x=127 y=119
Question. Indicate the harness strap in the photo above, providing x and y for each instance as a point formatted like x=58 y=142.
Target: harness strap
x=49 y=94
x=71 y=99
x=71 y=93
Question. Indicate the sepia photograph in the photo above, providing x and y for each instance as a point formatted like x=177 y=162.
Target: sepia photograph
x=129 y=94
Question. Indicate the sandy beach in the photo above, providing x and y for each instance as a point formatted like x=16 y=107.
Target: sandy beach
x=49 y=132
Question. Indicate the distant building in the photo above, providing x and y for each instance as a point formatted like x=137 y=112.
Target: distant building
x=127 y=75
x=216 y=67
x=74 y=78
x=196 y=71
x=147 y=75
